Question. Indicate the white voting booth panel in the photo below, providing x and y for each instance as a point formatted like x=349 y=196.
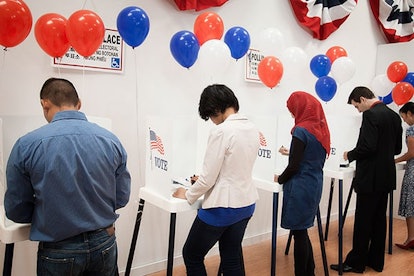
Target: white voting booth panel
x=264 y=168
x=344 y=132
x=11 y=128
x=171 y=152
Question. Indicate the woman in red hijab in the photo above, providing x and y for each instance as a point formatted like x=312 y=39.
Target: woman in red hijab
x=303 y=176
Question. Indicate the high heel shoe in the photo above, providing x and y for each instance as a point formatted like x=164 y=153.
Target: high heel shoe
x=408 y=246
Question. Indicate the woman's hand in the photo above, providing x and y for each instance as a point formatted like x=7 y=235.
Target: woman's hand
x=180 y=193
x=283 y=150
x=276 y=178
x=193 y=179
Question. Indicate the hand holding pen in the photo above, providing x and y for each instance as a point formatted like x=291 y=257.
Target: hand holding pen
x=193 y=179
x=284 y=151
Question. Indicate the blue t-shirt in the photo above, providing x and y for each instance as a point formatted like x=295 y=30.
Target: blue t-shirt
x=225 y=216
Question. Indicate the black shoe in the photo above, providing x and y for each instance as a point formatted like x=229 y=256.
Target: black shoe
x=345 y=268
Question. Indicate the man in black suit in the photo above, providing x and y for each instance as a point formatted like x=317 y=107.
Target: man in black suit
x=380 y=138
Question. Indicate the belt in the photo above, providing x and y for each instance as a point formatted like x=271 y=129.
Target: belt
x=110 y=230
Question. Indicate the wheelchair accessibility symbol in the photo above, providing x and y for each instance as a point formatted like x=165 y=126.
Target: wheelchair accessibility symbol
x=115 y=62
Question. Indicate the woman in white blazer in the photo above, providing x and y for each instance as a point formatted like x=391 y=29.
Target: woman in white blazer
x=226 y=183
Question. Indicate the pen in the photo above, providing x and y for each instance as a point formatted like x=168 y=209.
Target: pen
x=178 y=183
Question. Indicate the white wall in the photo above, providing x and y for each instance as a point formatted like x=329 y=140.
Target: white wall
x=153 y=83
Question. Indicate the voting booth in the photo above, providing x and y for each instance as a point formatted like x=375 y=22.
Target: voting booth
x=264 y=167
x=11 y=128
x=344 y=131
x=171 y=152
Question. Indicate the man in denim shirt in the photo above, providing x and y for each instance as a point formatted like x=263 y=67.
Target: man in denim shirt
x=67 y=179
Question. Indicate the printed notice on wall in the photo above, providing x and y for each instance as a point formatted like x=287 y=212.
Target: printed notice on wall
x=108 y=57
x=253 y=58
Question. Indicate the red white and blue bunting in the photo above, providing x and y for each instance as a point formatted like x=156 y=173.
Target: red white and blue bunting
x=322 y=17
x=395 y=18
x=198 y=5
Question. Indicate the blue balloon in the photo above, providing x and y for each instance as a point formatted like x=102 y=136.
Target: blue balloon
x=133 y=25
x=320 y=65
x=325 y=88
x=238 y=40
x=409 y=78
x=184 y=47
x=386 y=99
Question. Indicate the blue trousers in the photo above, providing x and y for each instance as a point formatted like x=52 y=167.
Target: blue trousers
x=202 y=237
x=91 y=253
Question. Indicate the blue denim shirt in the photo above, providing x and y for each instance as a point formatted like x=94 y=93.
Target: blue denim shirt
x=66 y=178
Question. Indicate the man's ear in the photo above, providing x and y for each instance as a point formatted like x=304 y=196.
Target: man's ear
x=78 y=106
x=45 y=104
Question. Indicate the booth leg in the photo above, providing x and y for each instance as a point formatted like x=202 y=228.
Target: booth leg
x=348 y=201
x=170 y=260
x=322 y=243
x=340 y=224
x=8 y=259
x=328 y=215
x=274 y=233
x=134 y=237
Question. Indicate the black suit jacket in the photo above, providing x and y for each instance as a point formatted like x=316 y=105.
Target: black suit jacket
x=380 y=139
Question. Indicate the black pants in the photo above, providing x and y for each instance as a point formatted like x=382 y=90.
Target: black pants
x=303 y=254
x=203 y=237
x=370 y=231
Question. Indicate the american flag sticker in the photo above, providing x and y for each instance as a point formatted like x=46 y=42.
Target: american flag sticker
x=262 y=139
x=156 y=142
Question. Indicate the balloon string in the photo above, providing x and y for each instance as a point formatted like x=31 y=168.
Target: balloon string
x=59 y=59
x=84 y=4
x=137 y=123
x=3 y=65
x=83 y=77
x=4 y=60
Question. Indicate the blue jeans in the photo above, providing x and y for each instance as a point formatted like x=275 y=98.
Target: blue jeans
x=202 y=238
x=89 y=253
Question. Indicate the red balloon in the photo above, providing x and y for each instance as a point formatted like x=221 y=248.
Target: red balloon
x=336 y=52
x=15 y=22
x=208 y=25
x=85 y=31
x=270 y=71
x=50 y=33
x=397 y=71
x=402 y=93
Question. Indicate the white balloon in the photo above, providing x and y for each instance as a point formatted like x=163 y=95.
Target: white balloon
x=295 y=62
x=271 y=42
x=343 y=69
x=213 y=59
x=381 y=85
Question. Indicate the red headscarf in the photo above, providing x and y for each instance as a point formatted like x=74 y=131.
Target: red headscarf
x=309 y=114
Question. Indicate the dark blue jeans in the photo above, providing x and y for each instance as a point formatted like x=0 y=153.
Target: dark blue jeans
x=202 y=238
x=90 y=253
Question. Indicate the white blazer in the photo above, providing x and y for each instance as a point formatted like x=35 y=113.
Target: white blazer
x=226 y=177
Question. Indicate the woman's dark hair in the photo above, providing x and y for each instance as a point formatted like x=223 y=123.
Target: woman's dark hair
x=358 y=92
x=407 y=107
x=216 y=98
x=60 y=92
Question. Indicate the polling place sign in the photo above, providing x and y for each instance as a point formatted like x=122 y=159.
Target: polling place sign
x=253 y=58
x=108 y=57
